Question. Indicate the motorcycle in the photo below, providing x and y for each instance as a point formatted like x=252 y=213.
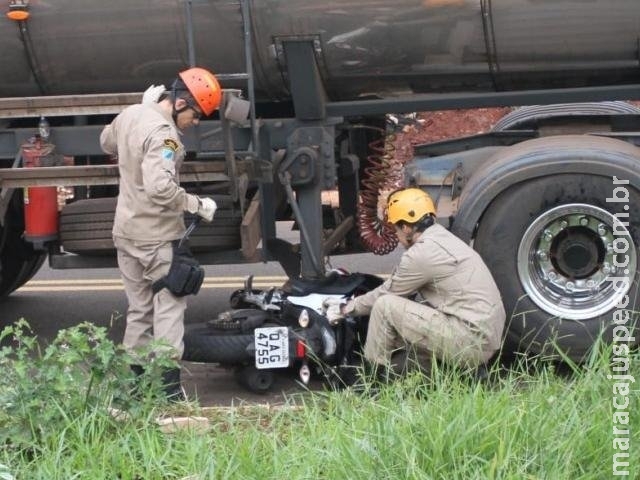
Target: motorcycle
x=285 y=327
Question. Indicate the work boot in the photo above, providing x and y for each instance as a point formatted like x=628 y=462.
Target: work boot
x=171 y=385
x=369 y=379
x=137 y=388
x=138 y=370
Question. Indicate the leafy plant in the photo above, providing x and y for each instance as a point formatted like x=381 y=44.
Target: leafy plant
x=79 y=373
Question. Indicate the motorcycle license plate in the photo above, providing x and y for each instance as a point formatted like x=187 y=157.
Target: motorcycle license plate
x=272 y=347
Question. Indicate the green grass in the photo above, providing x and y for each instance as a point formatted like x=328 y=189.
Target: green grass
x=527 y=423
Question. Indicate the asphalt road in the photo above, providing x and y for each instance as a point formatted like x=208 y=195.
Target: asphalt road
x=57 y=299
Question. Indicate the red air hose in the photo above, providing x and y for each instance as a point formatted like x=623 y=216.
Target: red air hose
x=382 y=175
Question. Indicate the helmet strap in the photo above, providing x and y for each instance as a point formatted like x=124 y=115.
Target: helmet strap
x=174 y=97
x=424 y=223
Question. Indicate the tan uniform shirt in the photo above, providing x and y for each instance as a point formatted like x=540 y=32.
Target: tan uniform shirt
x=449 y=276
x=151 y=202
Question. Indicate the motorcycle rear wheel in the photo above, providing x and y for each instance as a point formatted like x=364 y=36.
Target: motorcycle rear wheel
x=205 y=344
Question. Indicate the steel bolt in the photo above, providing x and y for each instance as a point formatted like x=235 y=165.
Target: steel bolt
x=542 y=255
x=602 y=230
x=564 y=224
x=569 y=286
x=584 y=221
x=552 y=275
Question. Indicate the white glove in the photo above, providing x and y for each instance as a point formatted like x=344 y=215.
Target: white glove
x=152 y=94
x=207 y=208
x=333 y=310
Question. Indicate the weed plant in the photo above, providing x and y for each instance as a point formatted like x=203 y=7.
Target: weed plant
x=531 y=421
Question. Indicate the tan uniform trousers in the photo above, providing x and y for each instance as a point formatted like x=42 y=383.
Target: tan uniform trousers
x=398 y=323
x=149 y=316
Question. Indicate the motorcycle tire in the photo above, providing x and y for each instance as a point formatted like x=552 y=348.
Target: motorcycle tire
x=254 y=380
x=206 y=345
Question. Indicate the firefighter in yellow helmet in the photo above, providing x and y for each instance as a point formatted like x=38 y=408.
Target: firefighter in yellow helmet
x=149 y=219
x=440 y=301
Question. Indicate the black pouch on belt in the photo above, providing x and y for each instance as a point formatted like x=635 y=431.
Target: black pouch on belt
x=185 y=273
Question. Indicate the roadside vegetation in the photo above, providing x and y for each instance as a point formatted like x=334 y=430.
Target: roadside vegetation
x=531 y=422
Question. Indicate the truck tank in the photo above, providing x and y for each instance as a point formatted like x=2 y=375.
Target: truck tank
x=363 y=47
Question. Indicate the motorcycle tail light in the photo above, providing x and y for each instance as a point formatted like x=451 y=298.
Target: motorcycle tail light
x=301 y=349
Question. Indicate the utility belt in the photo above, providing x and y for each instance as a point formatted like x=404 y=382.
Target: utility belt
x=185 y=275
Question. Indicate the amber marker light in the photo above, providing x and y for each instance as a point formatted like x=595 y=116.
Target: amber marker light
x=18 y=11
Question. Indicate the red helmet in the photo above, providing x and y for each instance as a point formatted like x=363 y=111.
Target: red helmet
x=204 y=88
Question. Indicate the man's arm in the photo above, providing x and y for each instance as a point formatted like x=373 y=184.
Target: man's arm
x=159 y=172
x=108 y=139
x=411 y=274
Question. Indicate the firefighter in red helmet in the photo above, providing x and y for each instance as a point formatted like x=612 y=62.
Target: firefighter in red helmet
x=149 y=219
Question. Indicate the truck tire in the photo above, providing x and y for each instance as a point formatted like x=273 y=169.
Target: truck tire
x=528 y=117
x=85 y=227
x=548 y=243
x=204 y=344
x=19 y=262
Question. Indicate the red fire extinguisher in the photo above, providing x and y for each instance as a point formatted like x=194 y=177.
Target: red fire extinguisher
x=40 y=203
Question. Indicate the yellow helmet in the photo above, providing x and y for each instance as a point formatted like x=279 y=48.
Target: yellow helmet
x=409 y=205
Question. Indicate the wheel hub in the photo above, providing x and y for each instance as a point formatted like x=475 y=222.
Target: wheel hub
x=577 y=252
x=567 y=256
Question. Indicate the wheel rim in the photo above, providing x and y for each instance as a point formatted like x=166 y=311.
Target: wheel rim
x=568 y=257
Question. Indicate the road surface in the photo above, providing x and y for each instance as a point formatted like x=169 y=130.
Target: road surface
x=56 y=299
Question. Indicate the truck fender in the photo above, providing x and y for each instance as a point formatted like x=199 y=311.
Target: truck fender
x=541 y=157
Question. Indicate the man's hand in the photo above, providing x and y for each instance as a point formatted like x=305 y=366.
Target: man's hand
x=207 y=208
x=152 y=94
x=333 y=310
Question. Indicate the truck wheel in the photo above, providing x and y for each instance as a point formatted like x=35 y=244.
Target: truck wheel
x=552 y=245
x=204 y=344
x=85 y=227
x=254 y=380
x=19 y=262
x=528 y=117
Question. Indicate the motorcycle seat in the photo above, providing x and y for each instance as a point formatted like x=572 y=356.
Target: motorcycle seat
x=332 y=284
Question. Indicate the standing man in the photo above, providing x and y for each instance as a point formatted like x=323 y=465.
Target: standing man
x=441 y=300
x=151 y=204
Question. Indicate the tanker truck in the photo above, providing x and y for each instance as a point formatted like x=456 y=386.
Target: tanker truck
x=549 y=197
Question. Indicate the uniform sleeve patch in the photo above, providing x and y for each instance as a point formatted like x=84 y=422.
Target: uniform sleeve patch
x=170 y=144
x=168 y=154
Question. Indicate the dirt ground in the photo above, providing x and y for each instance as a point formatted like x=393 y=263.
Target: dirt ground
x=443 y=124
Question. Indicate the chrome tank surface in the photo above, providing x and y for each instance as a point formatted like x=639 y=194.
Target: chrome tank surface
x=363 y=47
